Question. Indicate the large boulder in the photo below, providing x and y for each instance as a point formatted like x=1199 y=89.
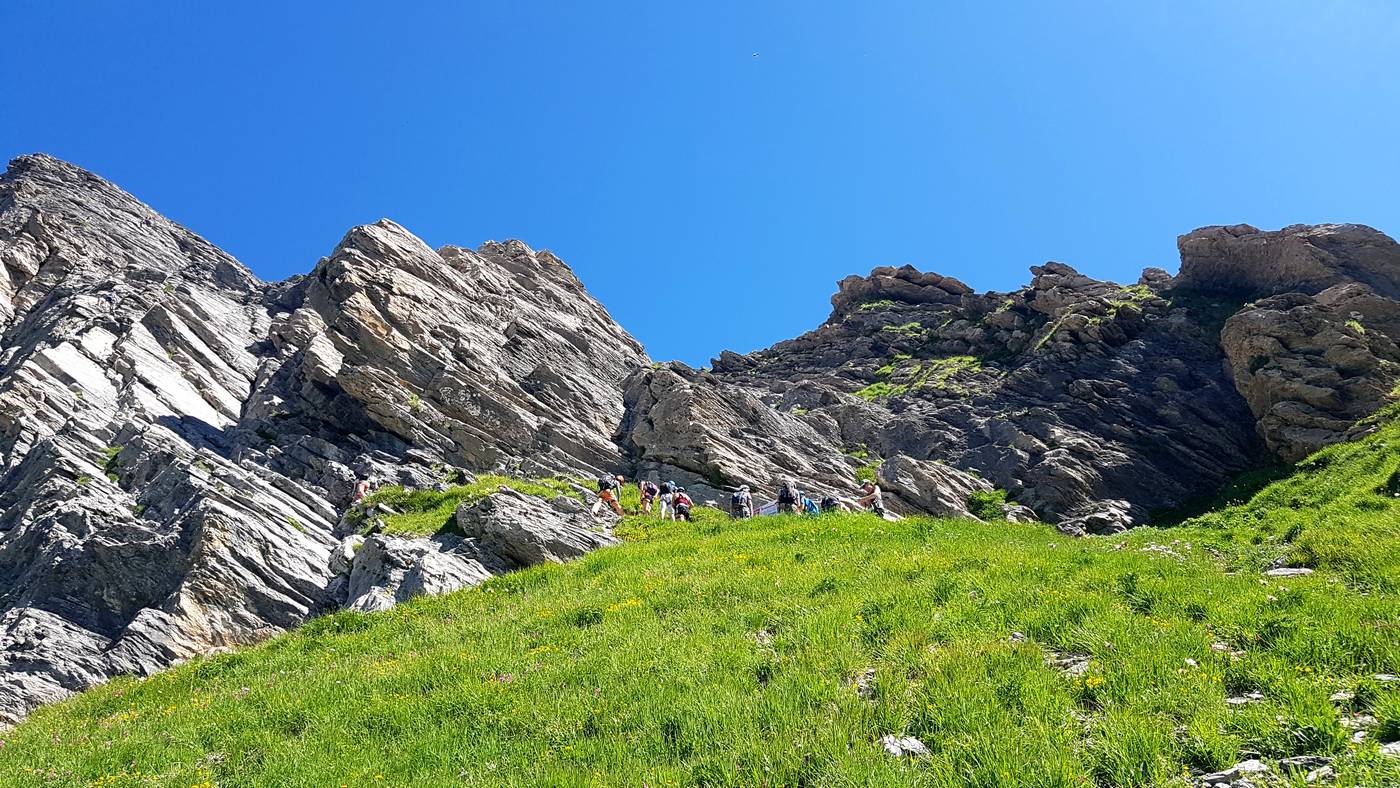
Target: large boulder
x=929 y=487
x=714 y=436
x=1311 y=366
x=1246 y=261
x=520 y=530
x=387 y=570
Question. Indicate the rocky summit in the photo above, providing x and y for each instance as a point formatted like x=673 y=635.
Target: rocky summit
x=180 y=442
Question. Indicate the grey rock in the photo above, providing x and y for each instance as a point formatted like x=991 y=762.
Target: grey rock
x=1321 y=774
x=521 y=530
x=245 y=412
x=1104 y=518
x=1068 y=394
x=389 y=570
x=1310 y=368
x=1237 y=775
x=1072 y=665
x=864 y=684
x=343 y=556
x=1243 y=260
x=903 y=746
x=1359 y=722
x=1298 y=763
x=712 y=437
x=930 y=487
x=1289 y=571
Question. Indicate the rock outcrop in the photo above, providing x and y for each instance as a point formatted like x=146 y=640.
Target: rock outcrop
x=1311 y=366
x=1245 y=261
x=1096 y=404
x=1067 y=393
x=387 y=570
x=518 y=530
x=178 y=439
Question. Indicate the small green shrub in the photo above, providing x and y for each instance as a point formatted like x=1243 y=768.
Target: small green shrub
x=871 y=306
x=987 y=504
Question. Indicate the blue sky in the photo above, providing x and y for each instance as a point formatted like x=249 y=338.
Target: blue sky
x=711 y=169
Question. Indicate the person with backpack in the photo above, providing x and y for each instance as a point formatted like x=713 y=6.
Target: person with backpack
x=648 y=491
x=789 y=498
x=681 y=504
x=741 y=504
x=668 y=492
x=830 y=504
x=872 y=498
x=361 y=489
x=608 y=489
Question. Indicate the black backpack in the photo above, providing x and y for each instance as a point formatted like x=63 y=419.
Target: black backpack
x=650 y=488
x=606 y=483
x=829 y=504
x=786 y=494
x=667 y=487
x=739 y=502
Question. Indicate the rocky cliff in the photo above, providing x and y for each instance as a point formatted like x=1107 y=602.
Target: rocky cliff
x=179 y=441
x=1098 y=404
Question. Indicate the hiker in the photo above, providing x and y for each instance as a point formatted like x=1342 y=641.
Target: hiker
x=361 y=490
x=648 y=491
x=681 y=504
x=741 y=504
x=668 y=491
x=789 y=499
x=809 y=506
x=831 y=504
x=608 y=488
x=872 y=498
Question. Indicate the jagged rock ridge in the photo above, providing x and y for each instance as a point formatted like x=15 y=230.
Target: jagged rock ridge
x=179 y=440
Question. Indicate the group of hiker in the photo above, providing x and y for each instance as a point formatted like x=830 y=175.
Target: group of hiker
x=671 y=502
x=791 y=501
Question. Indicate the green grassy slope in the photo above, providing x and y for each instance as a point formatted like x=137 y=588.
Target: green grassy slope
x=719 y=654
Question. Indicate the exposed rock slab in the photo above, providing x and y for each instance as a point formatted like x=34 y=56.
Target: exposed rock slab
x=387 y=570
x=1250 y=262
x=1311 y=366
x=1069 y=394
x=522 y=530
x=244 y=413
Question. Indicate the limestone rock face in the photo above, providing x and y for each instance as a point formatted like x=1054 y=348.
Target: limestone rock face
x=519 y=530
x=496 y=358
x=1311 y=366
x=712 y=436
x=1246 y=261
x=1066 y=393
x=1096 y=404
x=929 y=487
x=178 y=440
x=388 y=570
x=131 y=531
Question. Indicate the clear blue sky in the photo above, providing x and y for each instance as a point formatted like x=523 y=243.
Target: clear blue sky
x=711 y=169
